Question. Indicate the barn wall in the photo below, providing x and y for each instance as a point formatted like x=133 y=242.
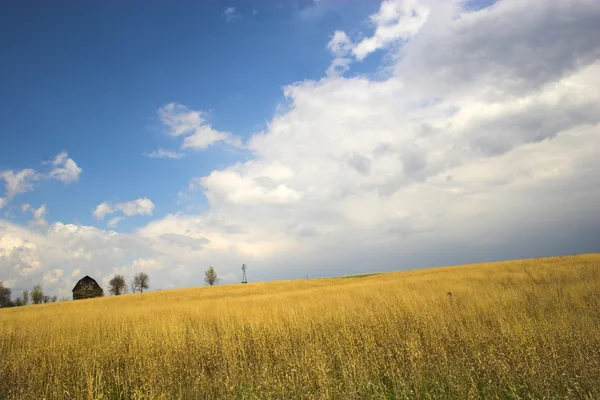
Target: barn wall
x=87 y=293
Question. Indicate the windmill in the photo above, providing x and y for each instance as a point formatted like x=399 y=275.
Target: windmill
x=244 y=279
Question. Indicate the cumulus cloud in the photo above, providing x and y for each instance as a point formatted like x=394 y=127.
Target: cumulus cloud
x=481 y=144
x=18 y=256
x=39 y=216
x=64 y=168
x=340 y=44
x=514 y=53
x=395 y=20
x=192 y=125
x=179 y=120
x=238 y=186
x=372 y=162
x=141 y=206
x=17 y=182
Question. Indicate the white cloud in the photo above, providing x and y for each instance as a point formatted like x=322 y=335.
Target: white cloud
x=230 y=14
x=75 y=272
x=233 y=187
x=179 y=119
x=40 y=213
x=18 y=255
x=338 y=67
x=53 y=276
x=145 y=265
x=162 y=153
x=141 y=206
x=17 y=183
x=114 y=221
x=199 y=135
x=65 y=169
x=340 y=44
x=39 y=216
x=103 y=209
x=396 y=20
x=205 y=136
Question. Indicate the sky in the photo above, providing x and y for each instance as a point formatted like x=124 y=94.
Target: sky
x=301 y=138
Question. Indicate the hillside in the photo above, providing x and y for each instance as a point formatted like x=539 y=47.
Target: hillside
x=518 y=329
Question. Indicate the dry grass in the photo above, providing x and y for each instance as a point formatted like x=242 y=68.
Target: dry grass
x=520 y=329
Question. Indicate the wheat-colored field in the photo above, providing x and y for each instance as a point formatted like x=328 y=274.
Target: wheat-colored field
x=525 y=329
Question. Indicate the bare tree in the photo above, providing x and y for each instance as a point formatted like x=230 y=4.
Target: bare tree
x=210 y=276
x=37 y=295
x=25 y=297
x=117 y=285
x=5 y=300
x=141 y=281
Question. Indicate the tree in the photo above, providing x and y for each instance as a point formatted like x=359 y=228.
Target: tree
x=117 y=285
x=19 y=302
x=25 y=297
x=37 y=294
x=140 y=282
x=5 y=293
x=53 y=299
x=210 y=276
x=46 y=299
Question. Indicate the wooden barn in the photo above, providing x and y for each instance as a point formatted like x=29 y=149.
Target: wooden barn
x=87 y=288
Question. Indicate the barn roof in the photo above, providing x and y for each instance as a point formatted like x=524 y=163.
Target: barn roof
x=85 y=280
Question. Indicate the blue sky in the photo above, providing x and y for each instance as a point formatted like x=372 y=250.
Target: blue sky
x=88 y=79
x=307 y=138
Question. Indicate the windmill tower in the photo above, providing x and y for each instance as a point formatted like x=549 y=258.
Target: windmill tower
x=244 y=279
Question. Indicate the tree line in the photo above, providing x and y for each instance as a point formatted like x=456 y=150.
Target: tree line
x=36 y=295
x=116 y=286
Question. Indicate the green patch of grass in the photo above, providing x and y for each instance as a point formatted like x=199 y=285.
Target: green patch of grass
x=360 y=275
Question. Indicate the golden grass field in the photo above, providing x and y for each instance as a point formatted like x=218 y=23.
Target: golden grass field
x=525 y=329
